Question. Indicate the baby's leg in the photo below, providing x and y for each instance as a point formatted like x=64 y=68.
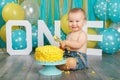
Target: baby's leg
x=70 y=64
x=82 y=62
x=63 y=67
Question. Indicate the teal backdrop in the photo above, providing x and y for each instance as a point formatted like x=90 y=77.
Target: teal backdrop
x=51 y=10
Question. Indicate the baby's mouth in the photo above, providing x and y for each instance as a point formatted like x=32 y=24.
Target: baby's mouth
x=74 y=27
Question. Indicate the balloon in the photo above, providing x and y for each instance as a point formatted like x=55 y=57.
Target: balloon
x=99 y=30
x=64 y=24
x=107 y=23
x=31 y=10
x=2 y=43
x=111 y=41
x=18 y=39
x=34 y=36
x=20 y=1
x=2 y=4
x=13 y=11
x=100 y=9
x=2 y=22
x=3 y=32
x=91 y=44
x=115 y=26
x=114 y=10
x=0 y=33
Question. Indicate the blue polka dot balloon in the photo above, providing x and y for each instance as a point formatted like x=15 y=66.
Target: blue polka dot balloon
x=114 y=10
x=18 y=39
x=34 y=36
x=111 y=41
x=100 y=9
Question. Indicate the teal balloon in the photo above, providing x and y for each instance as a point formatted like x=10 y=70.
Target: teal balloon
x=19 y=39
x=111 y=41
x=100 y=9
x=34 y=36
x=2 y=22
x=114 y=10
x=2 y=43
x=99 y=30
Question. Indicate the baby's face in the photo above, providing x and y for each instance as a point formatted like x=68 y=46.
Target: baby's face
x=76 y=21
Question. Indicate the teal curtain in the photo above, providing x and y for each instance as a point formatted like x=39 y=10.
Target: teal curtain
x=50 y=18
x=50 y=13
x=77 y=3
x=43 y=12
x=56 y=10
x=91 y=15
x=65 y=7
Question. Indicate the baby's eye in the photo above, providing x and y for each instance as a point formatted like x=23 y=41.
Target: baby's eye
x=70 y=21
x=77 y=21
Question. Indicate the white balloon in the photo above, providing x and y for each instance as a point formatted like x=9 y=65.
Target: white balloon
x=116 y=26
x=31 y=10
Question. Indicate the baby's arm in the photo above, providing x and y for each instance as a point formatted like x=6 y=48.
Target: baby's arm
x=62 y=44
x=82 y=39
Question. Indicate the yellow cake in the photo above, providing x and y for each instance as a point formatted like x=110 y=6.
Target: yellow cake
x=48 y=53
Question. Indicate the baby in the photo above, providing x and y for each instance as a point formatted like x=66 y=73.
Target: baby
x=75 y=45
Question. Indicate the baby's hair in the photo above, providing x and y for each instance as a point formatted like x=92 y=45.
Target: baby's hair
x=74 y=10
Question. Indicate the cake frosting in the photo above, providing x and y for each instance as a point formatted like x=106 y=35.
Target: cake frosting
x=48 y=53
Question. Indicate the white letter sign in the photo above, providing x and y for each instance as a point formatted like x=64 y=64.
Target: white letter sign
x=27 y=26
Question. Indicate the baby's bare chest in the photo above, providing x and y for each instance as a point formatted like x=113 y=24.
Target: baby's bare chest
x=74 y=36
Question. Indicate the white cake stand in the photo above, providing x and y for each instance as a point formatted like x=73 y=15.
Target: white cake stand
x=49 y=68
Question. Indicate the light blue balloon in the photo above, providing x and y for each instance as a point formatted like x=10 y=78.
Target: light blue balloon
x=100 y=9
x=114 y=10
x=111 y=41
x=34 y=36
x=99 y=30
x=18 y=39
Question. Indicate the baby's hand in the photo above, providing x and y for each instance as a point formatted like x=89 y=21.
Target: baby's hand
x=62 y=44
